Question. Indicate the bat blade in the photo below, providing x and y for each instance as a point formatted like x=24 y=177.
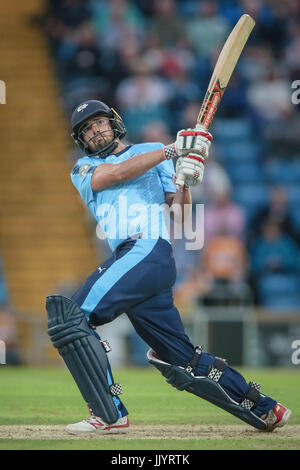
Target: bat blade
x=224 y=68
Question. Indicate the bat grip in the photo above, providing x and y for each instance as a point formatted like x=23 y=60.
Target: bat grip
x=180 y=181
x=201 y=127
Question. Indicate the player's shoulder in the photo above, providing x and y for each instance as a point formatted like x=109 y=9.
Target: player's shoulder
x=146 y=147
x=83 y=166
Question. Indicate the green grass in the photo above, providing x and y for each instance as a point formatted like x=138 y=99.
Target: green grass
x=36 y=396
x=150 y=445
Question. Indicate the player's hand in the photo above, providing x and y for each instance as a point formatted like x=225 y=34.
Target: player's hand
x=190 y=141
x=189 y=170
x=197 y=140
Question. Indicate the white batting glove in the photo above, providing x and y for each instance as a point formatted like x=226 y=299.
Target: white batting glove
x=190 y=141
x=197 y=140
x=189 y=170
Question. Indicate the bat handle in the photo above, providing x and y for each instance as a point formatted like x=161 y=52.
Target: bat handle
x=180 y=181
x=201 y=127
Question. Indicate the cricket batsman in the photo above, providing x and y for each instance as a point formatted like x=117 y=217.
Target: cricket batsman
x=138 y=277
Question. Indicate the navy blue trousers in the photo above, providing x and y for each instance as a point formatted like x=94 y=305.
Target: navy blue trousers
x=137 y=280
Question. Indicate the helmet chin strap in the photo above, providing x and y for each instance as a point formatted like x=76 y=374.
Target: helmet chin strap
x=103 y=153
x=108 y=150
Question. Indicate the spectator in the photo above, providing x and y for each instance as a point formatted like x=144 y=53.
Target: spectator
x=274 y=251
x=126 y=59
x=142 y=90
x=270 y=99
x=79 y=55
x=156 y=131
x=271 y=23
x=216 y=181
x=63 y=17
x=165 y=27
x=115 y=22
x=234 y=101
x=183 y=91
x=292 y=52
x=71 y=13
x=255 y=63
x=190 y=114
x=144 y=94
x=187 y=292
x=225 y=258
x=170 y=61
x=222 y=215
x=191 y=282
x=282 y=135
x=225 y=264
x=277 y=212
x=208 y=30
x=274 y=268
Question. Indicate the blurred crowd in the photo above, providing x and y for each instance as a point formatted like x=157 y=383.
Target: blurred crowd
x=9 y=348
x=152 y=61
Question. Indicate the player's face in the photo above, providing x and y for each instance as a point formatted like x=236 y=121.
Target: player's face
x=97 y=133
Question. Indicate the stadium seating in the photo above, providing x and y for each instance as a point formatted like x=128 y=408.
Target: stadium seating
x=251 y=196
x=232 y=130
x=283 y=172
x=293 y=194
x=245 y=172
x=279 y=292
x=295 y=216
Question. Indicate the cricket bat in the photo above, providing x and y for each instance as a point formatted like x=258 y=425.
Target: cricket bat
x=223 y=70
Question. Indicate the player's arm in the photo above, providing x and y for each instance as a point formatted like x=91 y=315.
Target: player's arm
x=191 y=146
x=109 y=174
x=182 y=196
x=180 y=204
x=189 y=169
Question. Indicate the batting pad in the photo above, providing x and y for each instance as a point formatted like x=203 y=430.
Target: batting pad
x=83 y=354
x=205 y=388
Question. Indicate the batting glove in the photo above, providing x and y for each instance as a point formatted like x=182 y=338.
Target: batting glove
x=197 y=140
x=190 y=141
x=189 y=170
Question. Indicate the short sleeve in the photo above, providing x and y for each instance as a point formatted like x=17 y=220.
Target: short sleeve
x=81 y=176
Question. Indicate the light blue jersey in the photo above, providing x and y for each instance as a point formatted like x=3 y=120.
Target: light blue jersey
x=133 y=207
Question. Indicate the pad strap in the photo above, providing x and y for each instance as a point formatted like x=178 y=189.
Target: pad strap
x=252 y=397
x=116 y=389
x=217 y=369
x=195 y=359
x=106 y=346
